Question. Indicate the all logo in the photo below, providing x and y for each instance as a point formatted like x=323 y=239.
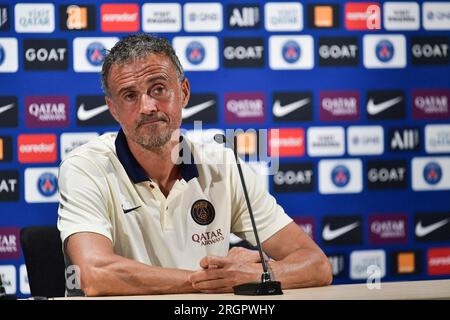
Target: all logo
x=243 y=52
x=404 y=139
x=201 y=107
x=401 y=16
x=89 y=53
x=286 y=142
x=77 y=17
x=9 y=243
x=342 y=51
x=340 y=176
x=386 y=105
x=364 y=263
x=161 y=17
x=42 y=111
x=291 y=52
x=432 y=226
x=384 y=51
x=245 y=107
x=342 y=230
x=5 y=19
x=197 y=53
x=387 y=174
x=388 y=228
x=9 y=115
x=365 y=140
x=36 y=148
x=71 y=140
x=34 y=17
x=9 y=61
x=362 y=16
x=326 y=141
x=41 y=185
x=93 y=111
x=294 y=177
x=308 y=225
x=119 y=17
x=431 y=104
x=203 y=17
x=283 y=16
x=323 y=16
x=436 y=16
x=339 y=105
x=5 y=148
x=406 y=262
x=437 y=138
x=338 y=265
x=9 y=185
x=45 y=54
x=292 y=106
x=243 y=16
x=430 y=50
x=438 y=261
x=431 y=173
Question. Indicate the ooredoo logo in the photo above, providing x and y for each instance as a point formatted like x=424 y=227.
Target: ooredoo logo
x=287 y=142
x=35 y=148
x=362 y=16
x=119 y=17
x=439 y=261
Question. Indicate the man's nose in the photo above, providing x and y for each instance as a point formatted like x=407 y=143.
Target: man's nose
x=148 y=104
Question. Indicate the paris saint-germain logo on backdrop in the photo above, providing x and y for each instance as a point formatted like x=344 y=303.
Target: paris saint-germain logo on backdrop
x=95 y=53
x=195 y=52
x=291 y=51
x=384 y=50
x=432 y=173
x=203 y=212
x=47 y=184
x=2 y=54
x=340 y=176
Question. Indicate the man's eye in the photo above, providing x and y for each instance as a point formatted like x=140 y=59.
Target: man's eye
x=159 y=90
x=130 y=96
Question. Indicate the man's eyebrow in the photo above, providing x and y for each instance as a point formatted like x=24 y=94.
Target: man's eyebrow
x=127 y=88
x=157 y=77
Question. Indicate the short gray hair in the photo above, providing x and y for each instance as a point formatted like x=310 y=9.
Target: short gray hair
x=134 y=47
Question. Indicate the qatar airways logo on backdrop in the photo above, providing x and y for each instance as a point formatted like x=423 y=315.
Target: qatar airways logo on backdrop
x=245 y=107
x=47 y=111
x=9 y=243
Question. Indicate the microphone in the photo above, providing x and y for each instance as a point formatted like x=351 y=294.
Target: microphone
x=266 y=286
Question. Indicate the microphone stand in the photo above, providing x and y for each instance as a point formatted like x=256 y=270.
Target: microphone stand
x=266 y=286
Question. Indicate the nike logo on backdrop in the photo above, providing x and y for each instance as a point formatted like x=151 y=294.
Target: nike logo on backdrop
x=189 y=112
x=84 y=114
x=280 y=111
x=6 y=107
x=422 y=231
x=374 y=109
x=130 y=209
x=329 y=234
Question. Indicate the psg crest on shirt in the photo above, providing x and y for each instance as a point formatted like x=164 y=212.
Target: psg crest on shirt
x=203 y=212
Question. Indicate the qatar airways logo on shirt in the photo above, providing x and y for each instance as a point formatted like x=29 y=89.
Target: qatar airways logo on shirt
x=47 y=111
x=245 y=107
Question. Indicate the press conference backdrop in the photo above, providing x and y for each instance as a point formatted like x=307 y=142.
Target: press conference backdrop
x=355 y=96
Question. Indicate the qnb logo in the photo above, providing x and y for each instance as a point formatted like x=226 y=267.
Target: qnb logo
x=195 y=52
x=47 y=184
x=384 y=50
x=340 y=176
x=95 y=53
x=291 y=52
x=432 y=173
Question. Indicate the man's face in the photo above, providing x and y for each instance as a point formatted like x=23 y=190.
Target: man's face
x=147 y=98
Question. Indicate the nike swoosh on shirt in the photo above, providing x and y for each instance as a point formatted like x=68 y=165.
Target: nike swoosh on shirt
x=329 y=234
x=422 y=231
x=189 y=112
x=374 y=109
x=280 y=111
x=130 y=209
x=84 y=114
x=6 y=107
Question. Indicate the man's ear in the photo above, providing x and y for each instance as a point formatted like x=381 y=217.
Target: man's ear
x=111 y=107
x=186 y=92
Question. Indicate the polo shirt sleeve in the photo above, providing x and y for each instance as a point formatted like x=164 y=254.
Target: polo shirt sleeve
x=83 y=202
x=269 y=215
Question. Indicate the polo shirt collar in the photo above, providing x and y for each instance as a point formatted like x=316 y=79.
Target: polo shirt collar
x=137 y=173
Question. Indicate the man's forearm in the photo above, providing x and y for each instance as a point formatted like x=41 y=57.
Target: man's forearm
x=121 y=276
